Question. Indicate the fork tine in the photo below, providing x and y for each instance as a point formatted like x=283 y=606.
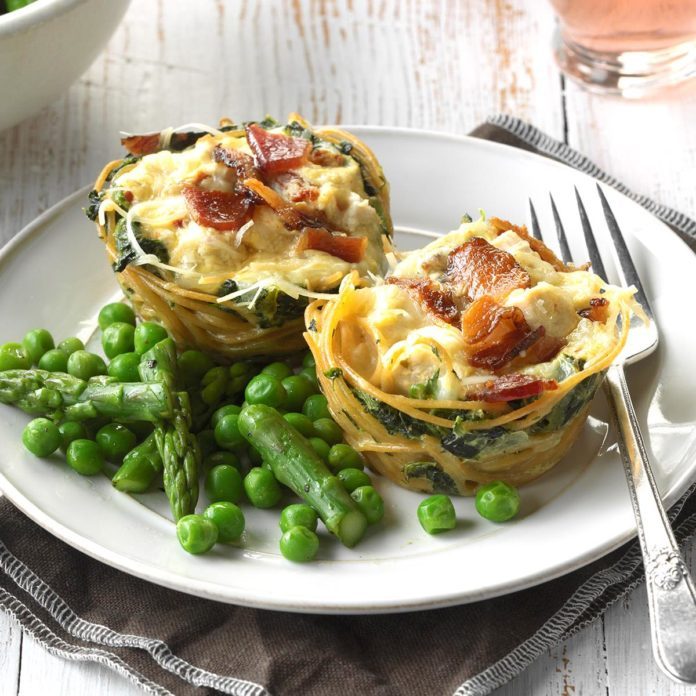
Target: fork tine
x=536 y=230
x=562 y=239
x=627 y=270
x=590 y=241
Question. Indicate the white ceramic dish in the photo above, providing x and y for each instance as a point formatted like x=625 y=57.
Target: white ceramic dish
x=46 y=46
x=55 y=274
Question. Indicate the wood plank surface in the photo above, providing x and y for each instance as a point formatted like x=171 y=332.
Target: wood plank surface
x=436 y=64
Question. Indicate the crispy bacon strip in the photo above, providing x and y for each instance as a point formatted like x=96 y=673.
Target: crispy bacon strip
x=220 y=210
x=437 y=301
x=494 y=334
x=477 y=268
x=536 y=245
x=597 y=311
x=150 y=142
x=511 y=388
x=240 y=162
x=542 y=350
x=292 y=218
x=350 y=249
x=142 y=144
x=274 y=152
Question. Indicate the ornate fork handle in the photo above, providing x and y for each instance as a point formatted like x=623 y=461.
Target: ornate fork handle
x=671 y=594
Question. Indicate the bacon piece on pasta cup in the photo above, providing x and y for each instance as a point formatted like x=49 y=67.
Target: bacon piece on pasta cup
x=476 y=360
x=224 y=235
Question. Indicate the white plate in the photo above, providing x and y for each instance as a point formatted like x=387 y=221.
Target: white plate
x=55 y=274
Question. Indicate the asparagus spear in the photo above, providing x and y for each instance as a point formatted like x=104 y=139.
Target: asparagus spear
x=295 y=464
x=59 y=395
x=139 y=468
x=177 y=447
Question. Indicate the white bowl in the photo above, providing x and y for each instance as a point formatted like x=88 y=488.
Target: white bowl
x=46 y=46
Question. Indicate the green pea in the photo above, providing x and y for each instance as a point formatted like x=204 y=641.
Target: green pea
x=436 y=514
x=279 y=370
x=267 y=390
x=85 y=456
x=343 y=456
x=328 y=430
x=196 y=534
x=353 y=478
x=54 y=360
x=316 y=407
x=261 y=488
x=41 y=437
x=308 y=360
x=497 y=501
x=228 y=519
x=223 y=482
x=124 y=367
x=227 y=433
x=214 y=385
x=206 y=442
x=301 y=423
x=299 y=544
x=84 y=364
x=310 y=374
x=321 y=447
x=36 y=342
x=13 y=356
x=221 y=457
x=70 y=431
x=116 y=441
x=193 y=365
x=370 y=503
x=298 y=390
x=239 y=375
x=118 y=338
x=115 y=312
x=148 y=334
x=227 y=410
x=70 y=345
x=298 y=514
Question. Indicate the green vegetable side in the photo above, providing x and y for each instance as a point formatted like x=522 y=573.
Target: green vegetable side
x=175 y=421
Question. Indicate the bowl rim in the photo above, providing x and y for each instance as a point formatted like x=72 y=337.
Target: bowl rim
x=36 y=13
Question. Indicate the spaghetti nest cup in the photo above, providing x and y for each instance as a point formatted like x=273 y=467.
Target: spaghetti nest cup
x=476 y=360
x=225 y=234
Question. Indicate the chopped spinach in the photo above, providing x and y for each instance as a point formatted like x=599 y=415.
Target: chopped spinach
x=395 y=422
x=125 y=253
x=570 y=405
x=345 y=147
x=92 y=210
x=270 y=306
x=297 y=130
x=441 y=482
x=468 y=444
x=267 y=123
x=333 y=373
x=425 y=390
x=125 y=162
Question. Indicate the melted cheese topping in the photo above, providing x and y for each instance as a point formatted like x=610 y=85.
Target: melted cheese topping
x=403 y=345
x=264 y=249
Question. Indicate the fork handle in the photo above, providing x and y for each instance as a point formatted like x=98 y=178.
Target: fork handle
x=671 y=595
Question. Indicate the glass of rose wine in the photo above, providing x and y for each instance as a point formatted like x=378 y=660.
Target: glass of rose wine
x=633 y=48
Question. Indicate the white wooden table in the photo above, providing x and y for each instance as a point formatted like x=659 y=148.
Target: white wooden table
x=421 y=63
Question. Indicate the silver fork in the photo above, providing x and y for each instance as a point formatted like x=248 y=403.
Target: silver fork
x=671 y=594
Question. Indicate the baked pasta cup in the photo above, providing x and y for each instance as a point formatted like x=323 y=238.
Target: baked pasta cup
x=476 y=360
x=225 y=234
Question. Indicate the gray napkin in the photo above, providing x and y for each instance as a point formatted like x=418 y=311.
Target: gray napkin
x=170 y=642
